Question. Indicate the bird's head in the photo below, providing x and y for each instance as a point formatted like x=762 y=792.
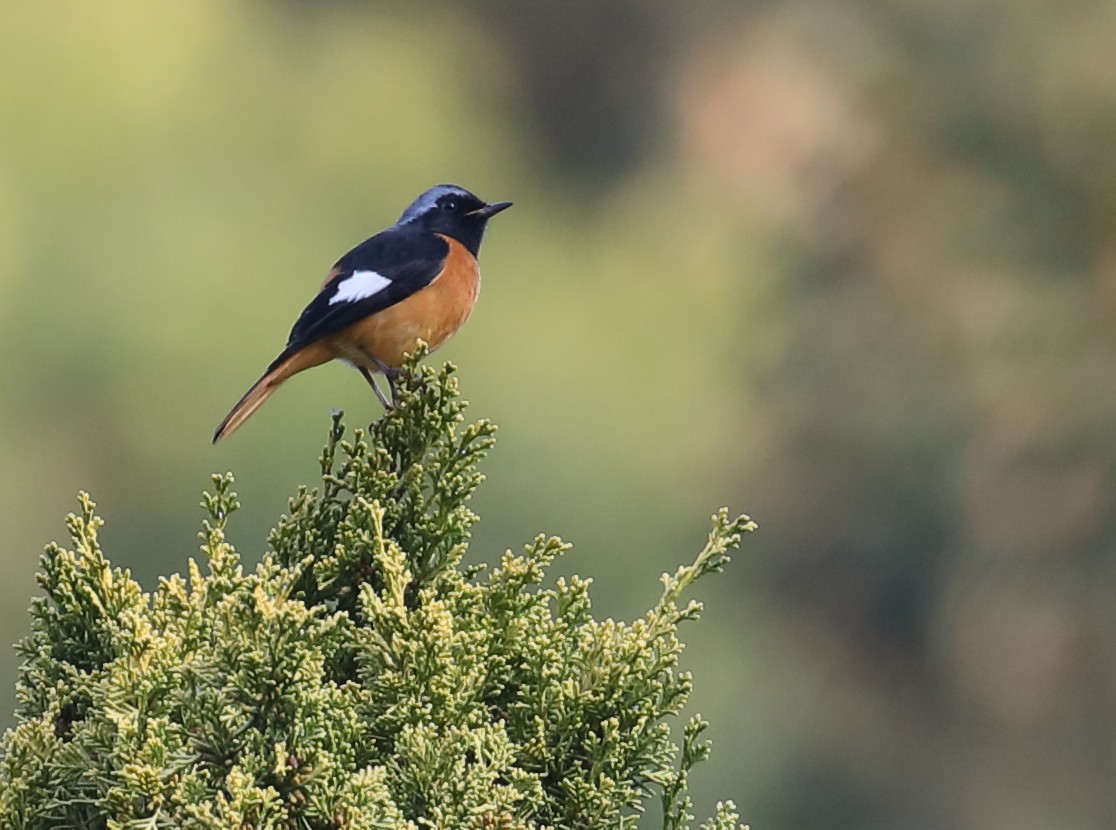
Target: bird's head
x=453 y=211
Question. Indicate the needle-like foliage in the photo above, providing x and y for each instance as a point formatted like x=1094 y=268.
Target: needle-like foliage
x=359 y=677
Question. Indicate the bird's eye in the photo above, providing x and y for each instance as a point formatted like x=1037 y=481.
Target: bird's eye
x=450 y=205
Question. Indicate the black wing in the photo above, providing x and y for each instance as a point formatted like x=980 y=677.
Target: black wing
x=408 y=259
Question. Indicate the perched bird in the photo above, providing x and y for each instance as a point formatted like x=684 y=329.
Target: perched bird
x=416 y=280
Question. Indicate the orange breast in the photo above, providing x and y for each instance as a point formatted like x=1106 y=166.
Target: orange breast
x=433 y=314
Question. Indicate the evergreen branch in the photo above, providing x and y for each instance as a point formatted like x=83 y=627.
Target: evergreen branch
x=359 y=676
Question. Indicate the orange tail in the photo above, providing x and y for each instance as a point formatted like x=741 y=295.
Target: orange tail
x=281 y=368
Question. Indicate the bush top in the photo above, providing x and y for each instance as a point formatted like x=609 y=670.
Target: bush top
x=359 y=676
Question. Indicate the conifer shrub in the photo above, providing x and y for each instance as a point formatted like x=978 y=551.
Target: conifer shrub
x=360 y=676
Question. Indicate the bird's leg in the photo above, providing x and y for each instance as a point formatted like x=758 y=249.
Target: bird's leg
x=372 y=382
x=391 y=374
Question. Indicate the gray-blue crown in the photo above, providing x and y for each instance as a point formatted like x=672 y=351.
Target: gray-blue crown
x=428 y=200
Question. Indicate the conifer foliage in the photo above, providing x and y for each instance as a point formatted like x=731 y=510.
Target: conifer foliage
x=360 y=676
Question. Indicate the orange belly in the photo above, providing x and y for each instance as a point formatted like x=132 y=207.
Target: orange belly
x=433 y=314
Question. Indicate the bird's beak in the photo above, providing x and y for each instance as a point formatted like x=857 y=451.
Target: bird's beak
x=488 y=211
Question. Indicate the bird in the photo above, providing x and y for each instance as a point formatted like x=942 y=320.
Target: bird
x=417 y=280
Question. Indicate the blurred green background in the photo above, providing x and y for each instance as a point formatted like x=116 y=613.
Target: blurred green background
x=847 y=266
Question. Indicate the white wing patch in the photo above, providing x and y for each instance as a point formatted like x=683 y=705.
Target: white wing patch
x=358 y=286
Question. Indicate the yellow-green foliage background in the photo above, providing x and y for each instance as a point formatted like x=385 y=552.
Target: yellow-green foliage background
x=847 y=266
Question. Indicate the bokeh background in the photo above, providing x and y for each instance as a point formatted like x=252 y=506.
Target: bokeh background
x=847 y=266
